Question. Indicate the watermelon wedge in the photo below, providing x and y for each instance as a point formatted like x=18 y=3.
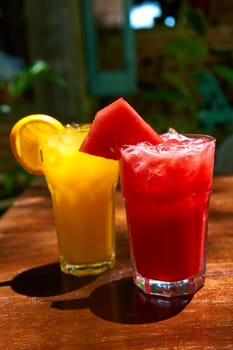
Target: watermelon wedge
x=114 y=126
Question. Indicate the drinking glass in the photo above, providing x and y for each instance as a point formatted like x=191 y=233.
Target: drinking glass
x=166 y=190
x=82 y=189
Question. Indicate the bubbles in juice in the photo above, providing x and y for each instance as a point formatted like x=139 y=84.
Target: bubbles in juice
x=166 y=189
x=184 y=160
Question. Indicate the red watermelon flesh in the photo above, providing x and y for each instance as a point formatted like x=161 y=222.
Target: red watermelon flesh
x=114 y=126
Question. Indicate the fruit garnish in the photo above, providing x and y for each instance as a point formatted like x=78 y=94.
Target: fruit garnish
x=117 y=125
x=25 y=140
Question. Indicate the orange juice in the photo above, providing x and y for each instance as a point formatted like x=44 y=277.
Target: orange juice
x=82 y=188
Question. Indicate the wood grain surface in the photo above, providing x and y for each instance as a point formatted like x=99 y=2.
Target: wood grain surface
x=41 y=308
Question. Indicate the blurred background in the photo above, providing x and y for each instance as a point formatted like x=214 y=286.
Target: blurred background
x=171 y=59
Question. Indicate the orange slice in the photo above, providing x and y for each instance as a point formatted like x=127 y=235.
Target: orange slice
x=25 y=140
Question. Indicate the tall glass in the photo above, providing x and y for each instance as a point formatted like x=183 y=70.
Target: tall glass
x=166 y=190
x=82 y=188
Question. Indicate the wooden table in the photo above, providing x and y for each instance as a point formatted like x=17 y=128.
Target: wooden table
x=40 y=308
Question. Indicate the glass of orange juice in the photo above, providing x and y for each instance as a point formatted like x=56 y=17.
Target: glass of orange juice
x=82 y=188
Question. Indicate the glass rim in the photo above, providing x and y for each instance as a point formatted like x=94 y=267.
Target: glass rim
x=200 y=135
x=165 y=147
x=81 y=127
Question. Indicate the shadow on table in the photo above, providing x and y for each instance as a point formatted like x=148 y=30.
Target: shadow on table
x=122 y=302
x=46 y=281
x=119 y=301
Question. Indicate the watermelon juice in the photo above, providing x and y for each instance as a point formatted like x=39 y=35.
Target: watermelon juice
x=166 y=190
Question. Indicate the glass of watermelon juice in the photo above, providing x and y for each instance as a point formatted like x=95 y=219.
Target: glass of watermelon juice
x=82 y=188
x=166 y=190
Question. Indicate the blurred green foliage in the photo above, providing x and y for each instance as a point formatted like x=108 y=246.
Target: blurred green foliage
x=14 y=90
x=13 y=96
x=182 y=62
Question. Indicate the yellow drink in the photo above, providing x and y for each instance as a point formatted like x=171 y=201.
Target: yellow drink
x=82 y=188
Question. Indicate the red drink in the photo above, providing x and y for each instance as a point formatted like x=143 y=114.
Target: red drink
x=166 y=190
